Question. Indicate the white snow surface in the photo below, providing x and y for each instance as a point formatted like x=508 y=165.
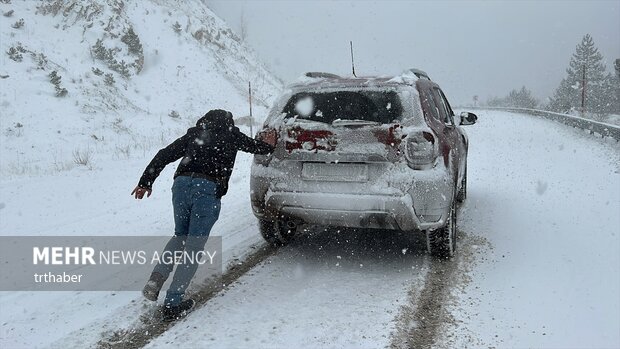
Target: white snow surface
x=547 y=198
x=544 y=196
x=204 y=66
x=97 y=202
x=118 y=128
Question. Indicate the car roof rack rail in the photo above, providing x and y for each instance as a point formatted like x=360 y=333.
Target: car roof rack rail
x=419 y=73
x=321 y=75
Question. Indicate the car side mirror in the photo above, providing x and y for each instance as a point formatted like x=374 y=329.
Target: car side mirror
x=468 y=118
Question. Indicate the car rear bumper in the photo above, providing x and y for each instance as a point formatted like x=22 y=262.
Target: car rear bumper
x=350 y=210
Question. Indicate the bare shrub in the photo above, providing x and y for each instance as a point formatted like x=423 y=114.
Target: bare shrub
x=52 y=7
x=61 y=166
x=124 y=150
x=41 y=61
x=119 y=127
x=18 y=24
x=15 y=131
x=83 y=157
x=55 y=79
x=15 y=54
x=108 y=79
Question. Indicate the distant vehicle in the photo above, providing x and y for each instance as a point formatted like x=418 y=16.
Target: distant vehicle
x=368 y=152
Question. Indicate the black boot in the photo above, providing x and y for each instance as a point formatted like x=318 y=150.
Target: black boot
x=153 y=286
x=175 y=312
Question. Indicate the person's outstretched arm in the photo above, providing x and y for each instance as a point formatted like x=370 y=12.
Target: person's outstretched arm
x=250 y=145
x=169 y=154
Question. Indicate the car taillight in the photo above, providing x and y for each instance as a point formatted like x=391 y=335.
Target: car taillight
x=309 y=140
x=392 y=137
x=269 y=136
x=421 y=150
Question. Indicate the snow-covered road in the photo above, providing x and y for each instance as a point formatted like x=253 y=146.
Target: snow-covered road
x=547 y=198
x=326 y=290
x=539 y=264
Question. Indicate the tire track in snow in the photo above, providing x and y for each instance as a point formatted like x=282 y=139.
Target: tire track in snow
x=151 y=326
x=328 y=288
x=417 y=325
x=421 y=320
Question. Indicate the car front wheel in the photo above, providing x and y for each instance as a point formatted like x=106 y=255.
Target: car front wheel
x=441 y=243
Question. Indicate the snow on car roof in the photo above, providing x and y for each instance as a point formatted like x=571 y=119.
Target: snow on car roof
x=324 y=80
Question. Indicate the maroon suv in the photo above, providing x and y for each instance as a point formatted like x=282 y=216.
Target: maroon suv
x=368 y=152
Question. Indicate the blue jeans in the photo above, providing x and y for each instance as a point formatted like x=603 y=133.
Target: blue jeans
x=196 y=209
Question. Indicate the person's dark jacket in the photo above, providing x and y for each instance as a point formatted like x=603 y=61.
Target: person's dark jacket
x=210 y=149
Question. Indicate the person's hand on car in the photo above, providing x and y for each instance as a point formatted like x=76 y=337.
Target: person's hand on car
x=270 y=138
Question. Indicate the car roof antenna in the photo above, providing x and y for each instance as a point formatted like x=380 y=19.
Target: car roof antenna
x=352 y=63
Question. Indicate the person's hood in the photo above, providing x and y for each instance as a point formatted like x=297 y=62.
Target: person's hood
x=216 y=119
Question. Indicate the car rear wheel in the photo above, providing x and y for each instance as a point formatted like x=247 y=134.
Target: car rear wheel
x=274 y=233
x=441 y=243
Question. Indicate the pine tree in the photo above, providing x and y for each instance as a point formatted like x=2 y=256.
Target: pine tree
x=54 y=78
x=132 y=41
x=586 y=64
x=521 y=99
x=496 y=102
x=611 y=89
x=98 y=50
x=108 y=79
x=14 y=54
x=122 y=68
x=561 y=101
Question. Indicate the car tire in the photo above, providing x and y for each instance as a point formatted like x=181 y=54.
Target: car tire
x=462 y=194
x=274 y=234
x=441 y=243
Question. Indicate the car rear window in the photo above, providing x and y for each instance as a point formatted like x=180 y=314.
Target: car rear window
x=377 y=106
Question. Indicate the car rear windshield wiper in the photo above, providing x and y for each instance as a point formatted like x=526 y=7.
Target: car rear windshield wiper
x=308 y=121
x=355 y=122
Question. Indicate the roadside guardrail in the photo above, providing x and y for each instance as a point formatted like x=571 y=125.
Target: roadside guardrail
x=595 y=127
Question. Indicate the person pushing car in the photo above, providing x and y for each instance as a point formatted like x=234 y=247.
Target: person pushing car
x=208 y=153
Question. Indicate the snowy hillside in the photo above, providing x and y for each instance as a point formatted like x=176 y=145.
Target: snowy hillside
x=131 y=76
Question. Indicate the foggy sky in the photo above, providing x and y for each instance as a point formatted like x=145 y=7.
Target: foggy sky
x=483 y=48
